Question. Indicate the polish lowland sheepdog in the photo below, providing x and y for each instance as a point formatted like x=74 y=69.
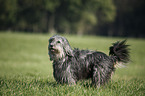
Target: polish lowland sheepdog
x=71 y=65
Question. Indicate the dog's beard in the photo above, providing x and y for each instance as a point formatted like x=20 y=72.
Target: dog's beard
x=56 y=54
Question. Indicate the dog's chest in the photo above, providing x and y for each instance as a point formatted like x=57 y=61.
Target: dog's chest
x=62 y=73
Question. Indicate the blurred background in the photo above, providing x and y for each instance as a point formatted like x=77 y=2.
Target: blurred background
x=124 y=18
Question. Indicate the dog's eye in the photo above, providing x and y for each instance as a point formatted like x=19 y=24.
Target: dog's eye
x=51 y=40
x=58 y=41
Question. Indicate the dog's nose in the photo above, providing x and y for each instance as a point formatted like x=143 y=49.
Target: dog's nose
x=50 y=45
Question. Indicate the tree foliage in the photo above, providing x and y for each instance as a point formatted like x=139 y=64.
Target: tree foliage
x=102 y=17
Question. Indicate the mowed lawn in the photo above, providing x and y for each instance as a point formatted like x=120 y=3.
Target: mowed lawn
x=25 y=68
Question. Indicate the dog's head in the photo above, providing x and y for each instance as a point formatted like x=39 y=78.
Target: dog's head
x=59 y=47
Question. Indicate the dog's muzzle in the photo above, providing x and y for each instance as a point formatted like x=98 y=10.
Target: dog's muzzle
x=53 y=50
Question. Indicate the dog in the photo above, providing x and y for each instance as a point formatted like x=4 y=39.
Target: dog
x=71 y=65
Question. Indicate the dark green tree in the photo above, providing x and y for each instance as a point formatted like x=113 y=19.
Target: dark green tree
x=8 y=10
x=130 y=18
x=82 y=15
x=50 y=7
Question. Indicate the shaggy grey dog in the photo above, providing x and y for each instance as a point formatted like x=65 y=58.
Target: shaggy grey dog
x=71 y=65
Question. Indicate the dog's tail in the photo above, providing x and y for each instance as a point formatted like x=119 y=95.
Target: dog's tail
x=119 y=53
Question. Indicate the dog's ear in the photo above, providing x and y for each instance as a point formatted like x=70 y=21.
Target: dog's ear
x=67 y=48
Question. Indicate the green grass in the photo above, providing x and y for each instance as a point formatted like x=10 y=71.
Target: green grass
x=25 y=68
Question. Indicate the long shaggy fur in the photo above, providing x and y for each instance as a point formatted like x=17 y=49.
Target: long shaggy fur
x=71 y=65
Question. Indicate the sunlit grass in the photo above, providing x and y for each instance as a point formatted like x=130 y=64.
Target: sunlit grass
x=25 y=68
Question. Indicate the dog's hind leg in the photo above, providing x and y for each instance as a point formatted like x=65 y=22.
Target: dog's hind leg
x=96 y=78
x=101 y=73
